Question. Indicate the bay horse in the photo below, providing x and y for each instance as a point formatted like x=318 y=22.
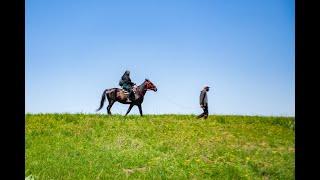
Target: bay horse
x=119 y=95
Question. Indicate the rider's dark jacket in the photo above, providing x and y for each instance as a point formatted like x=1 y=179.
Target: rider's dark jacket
x=126 y=82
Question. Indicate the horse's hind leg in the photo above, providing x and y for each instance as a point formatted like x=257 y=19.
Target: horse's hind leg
x=109 y=107
x=111 y=102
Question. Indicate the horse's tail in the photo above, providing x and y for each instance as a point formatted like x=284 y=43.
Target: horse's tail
x=103 y=99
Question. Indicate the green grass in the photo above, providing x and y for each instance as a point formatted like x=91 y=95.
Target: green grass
x=79 y=146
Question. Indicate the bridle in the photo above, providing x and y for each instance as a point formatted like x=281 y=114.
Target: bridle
x=149 y=86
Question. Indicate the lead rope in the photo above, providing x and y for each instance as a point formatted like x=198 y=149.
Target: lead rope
x=181 y=106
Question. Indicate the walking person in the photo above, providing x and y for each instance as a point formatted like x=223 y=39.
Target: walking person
x=204 y=102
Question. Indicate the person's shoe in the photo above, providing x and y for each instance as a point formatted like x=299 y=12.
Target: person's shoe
x=130 y=99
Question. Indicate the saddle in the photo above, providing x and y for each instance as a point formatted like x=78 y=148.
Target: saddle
x=134 y=89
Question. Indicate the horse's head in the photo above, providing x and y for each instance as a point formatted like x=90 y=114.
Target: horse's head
x=149 y=85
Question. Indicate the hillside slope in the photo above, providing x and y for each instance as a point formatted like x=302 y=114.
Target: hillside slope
x=79 y=146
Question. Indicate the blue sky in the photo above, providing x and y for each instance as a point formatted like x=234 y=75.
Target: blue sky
x=244 y=50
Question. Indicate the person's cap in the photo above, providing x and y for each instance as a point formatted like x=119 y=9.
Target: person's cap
x=206 y=86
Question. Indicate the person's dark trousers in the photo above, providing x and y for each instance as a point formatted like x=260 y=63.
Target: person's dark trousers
x=205 y=112
x=128 y=88
x=131 y=95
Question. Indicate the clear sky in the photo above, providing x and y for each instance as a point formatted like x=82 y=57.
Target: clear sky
x=243 y=49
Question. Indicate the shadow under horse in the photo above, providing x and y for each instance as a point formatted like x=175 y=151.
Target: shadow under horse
x=119 y=95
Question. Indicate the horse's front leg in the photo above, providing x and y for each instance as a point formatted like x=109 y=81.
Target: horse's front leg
x=130 y=107
x=140 y=109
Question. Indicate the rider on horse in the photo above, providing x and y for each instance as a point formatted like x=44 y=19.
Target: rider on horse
x=127 y=84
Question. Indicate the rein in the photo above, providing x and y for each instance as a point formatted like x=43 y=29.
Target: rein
x=140 y=89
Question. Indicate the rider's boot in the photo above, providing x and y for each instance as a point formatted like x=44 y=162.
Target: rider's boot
x=131 y=97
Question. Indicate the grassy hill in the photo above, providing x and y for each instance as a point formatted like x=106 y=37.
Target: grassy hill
x=79 y=146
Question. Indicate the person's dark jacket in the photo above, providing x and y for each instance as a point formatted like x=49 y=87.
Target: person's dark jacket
x=125 y=79
x=203 y=98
